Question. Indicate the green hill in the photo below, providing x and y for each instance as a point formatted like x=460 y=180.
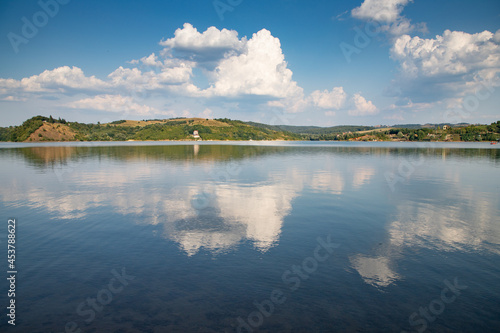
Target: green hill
x=313 y=130
x=41 y=128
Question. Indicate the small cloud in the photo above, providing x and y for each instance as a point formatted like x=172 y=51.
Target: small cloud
x=210 y=46
x=14 y=99
x=362 y=107
x=151 y=60
x=329 y=100
x=395 y=116
x=207 y=114
x=380 y=10
x=341 y=16
x=113 y=103
x=388 y=15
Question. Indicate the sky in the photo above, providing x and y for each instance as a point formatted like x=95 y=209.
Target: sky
x=288 y=62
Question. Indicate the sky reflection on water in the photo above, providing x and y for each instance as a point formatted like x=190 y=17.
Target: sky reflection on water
x=213 y=199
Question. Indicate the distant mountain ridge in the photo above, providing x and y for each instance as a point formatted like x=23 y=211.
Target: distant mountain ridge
x=312 y=129
x=419 y=126
x=347 y=128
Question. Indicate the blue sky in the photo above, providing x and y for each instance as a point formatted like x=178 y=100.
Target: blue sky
x=289 y=62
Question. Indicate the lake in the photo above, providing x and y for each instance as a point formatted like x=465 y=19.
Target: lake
x=252 y=237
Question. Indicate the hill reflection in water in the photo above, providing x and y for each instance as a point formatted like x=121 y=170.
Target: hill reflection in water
x=261 y=209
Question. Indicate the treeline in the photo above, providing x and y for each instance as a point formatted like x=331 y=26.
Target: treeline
x=460 y=133
x=227 y=129
x=312 y=130
x=22 y=132
x=478 y=132
x=178 y=129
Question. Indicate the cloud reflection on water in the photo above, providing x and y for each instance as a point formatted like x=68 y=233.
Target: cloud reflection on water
x=157 y=187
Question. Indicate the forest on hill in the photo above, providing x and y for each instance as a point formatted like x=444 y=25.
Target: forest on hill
x=42 y=129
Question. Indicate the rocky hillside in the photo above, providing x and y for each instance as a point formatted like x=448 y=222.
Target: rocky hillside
x=52 y=132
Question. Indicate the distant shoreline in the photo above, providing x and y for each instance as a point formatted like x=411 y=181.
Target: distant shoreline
x=44 y=129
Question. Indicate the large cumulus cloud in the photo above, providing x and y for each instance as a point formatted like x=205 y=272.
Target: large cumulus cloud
x=448 y=66
x=252 y=70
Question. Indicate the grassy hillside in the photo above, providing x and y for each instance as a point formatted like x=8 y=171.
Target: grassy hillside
x=41 y=128
x=35 y=129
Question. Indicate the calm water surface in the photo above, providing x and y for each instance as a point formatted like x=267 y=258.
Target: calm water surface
x=250 y=237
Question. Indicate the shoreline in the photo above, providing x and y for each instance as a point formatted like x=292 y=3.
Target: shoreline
x=277 y=140
x=205 y=142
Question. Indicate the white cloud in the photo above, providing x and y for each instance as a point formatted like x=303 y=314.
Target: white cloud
x=260 y=70
x=251 y=68
x=336 y=99
x=293 y=104
x=234 y=67
x=387 y=11
x=188 y=38
x=447 y=66
x=207 y=114
x=134 y=80
x=329 y=100
x=388 y=14
x=61 y=79
x=151 y=60
x=211 y=45
x=130 y=77
x=453 y=53
x=113 y=103
x=167 y=60
x=13 y=99
x=362 y=106
x=71 y=80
